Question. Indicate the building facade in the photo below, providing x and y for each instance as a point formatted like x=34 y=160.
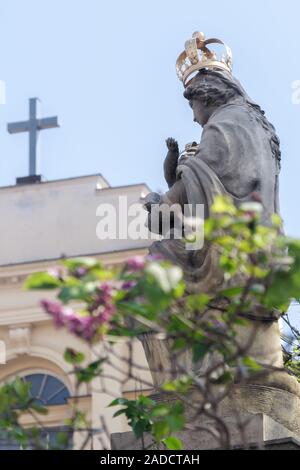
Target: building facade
x=41 y=223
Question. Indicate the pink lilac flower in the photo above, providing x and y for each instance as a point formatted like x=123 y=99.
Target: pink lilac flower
x=104 y=301
x=85 y=327
x=59 y=312
x=128 y=285
x=106 y=292
x=107 y=313
x=103 y=296
x=136 y=263
x=58 y=272
x=80 y=272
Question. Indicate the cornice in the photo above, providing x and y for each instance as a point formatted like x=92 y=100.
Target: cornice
x=15 y=275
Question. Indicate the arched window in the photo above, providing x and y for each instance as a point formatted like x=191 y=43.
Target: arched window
x=47 y=390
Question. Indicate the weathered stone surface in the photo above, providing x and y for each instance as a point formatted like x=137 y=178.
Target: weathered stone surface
x=264 y=346
x=283 y=444
x=267 y=415
x=127 y=441
x=282 y=406
x=262 y=433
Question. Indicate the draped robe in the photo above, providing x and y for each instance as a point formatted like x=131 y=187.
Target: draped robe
x=234 y=158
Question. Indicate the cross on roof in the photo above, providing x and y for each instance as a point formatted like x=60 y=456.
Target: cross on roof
x=33 y=126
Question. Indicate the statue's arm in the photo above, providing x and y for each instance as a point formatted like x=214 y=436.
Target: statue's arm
x=175 y=195
x=171 y=161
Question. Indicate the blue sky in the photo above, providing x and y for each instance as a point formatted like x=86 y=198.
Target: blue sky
x=107 y=69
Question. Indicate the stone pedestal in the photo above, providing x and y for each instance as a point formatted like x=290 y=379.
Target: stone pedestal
x=269 y=417
x=127 y=441
x=261 y=413
x=264 y=345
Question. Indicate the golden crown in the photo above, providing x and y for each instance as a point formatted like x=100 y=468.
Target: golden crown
x=197 y=56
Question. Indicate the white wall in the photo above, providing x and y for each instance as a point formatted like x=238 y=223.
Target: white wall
x=47 y=220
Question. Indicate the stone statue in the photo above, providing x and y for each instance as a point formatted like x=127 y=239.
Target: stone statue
x=238 y=155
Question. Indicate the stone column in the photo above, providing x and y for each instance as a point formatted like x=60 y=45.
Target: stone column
x=266 y=406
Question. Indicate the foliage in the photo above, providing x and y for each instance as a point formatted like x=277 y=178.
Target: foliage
x=261 y=271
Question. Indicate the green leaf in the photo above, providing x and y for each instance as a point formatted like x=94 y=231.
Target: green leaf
x=159 y=411
x=119 y=402
x=73 y=357
x=42 y=281
x=92 y=371
x=199 y=351
x=224 y=379
x=232 y=292
x=181 y=385
x=276 y=220
x=229 y=265
x=87 y=263
x=39 y=409
x=170 y=387
x=198 y=302
x=178 y=408
x=119 y=412
x=179 y=343
x=77 y=291
x=251 y=364
x=223 y=205
x=172 y=443
x=145 y=401
x=160 y=430
x=175 y=422
x=22 y=389
x=140 y=427
x=62 y=439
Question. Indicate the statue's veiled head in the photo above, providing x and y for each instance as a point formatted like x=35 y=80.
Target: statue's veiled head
x=208 y=90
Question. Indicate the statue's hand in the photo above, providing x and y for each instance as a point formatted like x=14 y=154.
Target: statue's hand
x=151 y=204
x=152 y=199
x=171 y=161
x=172 y=144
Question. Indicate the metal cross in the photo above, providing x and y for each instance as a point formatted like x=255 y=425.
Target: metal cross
x=33 y=126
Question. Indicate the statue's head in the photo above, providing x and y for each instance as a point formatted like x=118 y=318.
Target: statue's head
x=208 y=90
x=214 y=84
x=211 y=87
